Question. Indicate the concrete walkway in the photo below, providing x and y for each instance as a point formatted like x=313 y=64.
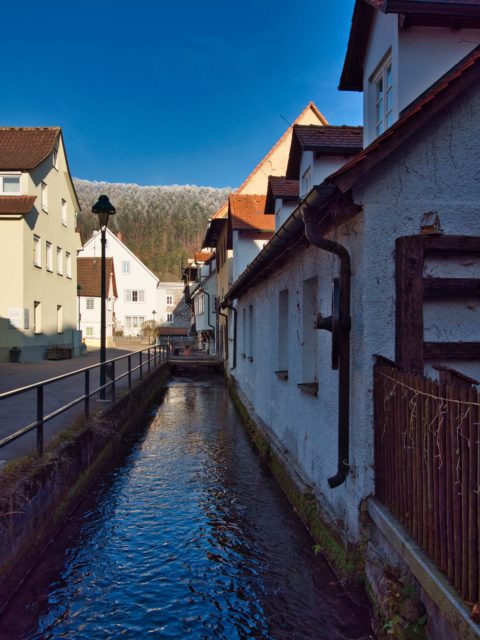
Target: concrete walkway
x=19 y=411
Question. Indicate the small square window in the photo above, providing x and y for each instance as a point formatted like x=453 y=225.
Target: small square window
x=125 y=266
x=49 y=255
x=169 y=317
x=37 y=251
x=10 y=184
x=89 y=332
x=90 y=303
x=169 y=299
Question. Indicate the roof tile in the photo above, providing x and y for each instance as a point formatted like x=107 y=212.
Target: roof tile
x=247 y=213
x=24 y=148
x=89 y=277
x=16 y=205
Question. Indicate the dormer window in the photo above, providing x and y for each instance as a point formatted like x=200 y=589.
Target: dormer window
x=9 y=184
x=383 y=96
x=306 y=181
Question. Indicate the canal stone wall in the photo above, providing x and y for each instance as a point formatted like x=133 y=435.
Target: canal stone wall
x=38 y=494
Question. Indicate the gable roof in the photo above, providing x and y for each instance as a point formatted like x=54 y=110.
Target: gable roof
x=329 y=141
x=442 y=13
x=203 y=256
x=112 y=236
x=418 y=114
x=24 y=148
x=246 y=213
x=16 y=205
x=89 y=277
x=280 y=187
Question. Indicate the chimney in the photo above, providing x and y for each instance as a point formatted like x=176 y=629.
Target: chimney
x=120 y=236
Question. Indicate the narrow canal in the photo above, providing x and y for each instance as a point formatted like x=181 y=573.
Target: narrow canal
x=189 y=537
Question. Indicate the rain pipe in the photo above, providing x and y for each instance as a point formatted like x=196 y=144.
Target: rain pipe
x=309 y=209
x=232 y=308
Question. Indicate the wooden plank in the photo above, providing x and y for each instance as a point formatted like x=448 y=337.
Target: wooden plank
x=449 y=484
x=442 y=483
x=451 y=350
x=465 y=458
x=434 y=288
x=409 y=302
x=457 y=507
x=452 y=245
x=473 y=575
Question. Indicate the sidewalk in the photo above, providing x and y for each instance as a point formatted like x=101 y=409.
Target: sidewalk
x=20 y=410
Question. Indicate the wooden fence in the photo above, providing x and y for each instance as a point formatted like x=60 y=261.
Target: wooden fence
x=427 y=468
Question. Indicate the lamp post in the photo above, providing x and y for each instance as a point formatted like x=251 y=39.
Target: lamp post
x=103 y=208
x=154 y=337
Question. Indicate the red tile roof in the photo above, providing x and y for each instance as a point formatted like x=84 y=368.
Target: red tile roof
x=16 y=205
x=280 y=187
x=330 y=141
x=203 y=256
x=246 y=212
x=417 y=115
x=89 y=277
x=24 y=148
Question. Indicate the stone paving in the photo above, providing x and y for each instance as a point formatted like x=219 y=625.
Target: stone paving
x=19 y=411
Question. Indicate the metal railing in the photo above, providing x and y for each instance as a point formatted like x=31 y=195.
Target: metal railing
x=147 y=358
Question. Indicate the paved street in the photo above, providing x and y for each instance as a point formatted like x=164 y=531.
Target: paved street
x=20 y=410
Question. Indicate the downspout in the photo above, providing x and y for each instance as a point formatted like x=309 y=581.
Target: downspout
x=225 y=315
x=234 y=364
x=309 y=213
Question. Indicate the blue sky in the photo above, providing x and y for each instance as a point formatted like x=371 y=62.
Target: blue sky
x=172 y=92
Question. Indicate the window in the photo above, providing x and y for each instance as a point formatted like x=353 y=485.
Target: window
x=90 y=303
x=250 y=333
x=37 y=251
x=9 y=184
x=55 y=158
x=169 y=299
x=134 y=295
x=383 y=98
x=306 y=180
x=126 y=266
x=169 y=317
x=64 y=212
x=68 y=264
x=89 y=332
x=37 y=317
x=283 y=330
x=59 y=318
x=44 y=199
x=309 y=337
x=49 y=254
x=134 y=322
x=59 y=261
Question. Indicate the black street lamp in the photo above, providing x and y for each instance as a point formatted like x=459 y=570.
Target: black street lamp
x=103 y=208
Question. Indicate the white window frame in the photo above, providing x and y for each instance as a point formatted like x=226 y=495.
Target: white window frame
x=64 y=212
x=89 y=332
x=68 y=264
x=9 y=175
x=169 y=299
x=169 y=317
x=49 y=256
x=37 y=317
x=126 y=267
x=139 y=294
x=44 y=197
x=37 y=251
x=382 y=107
x=59 y=318
x=59 y=255
x=90 y=303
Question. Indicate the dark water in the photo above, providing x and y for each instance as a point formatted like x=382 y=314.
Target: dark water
x=189 y=537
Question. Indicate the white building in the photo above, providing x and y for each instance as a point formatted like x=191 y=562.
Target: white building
x=203 y=295
x=169 y=299
x=136 y=284
x=89 y=299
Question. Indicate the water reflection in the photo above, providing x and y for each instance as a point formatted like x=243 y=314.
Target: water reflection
x=189 y=537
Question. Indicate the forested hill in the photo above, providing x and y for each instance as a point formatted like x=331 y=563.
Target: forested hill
x=163 y=226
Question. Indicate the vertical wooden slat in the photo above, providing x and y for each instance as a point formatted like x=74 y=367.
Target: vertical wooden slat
x=430 y=462
x=442 y=480
x=436 y=470
x=409 y=255
x=449 y=482
x=473 y=498
x=457 y=513
x=465 y=458
x=409 y=431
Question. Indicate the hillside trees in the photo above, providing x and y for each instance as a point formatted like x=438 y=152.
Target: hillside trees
x=162 y=225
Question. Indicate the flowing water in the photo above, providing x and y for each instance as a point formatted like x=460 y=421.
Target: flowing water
x=189 y=537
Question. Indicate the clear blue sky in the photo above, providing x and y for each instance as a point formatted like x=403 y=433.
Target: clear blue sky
x=172 y=91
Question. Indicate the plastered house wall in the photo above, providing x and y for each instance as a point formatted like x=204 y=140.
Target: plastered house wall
x=433 y=171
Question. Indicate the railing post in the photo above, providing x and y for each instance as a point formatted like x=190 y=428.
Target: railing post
x=113 y=380
x=40 y=420
x=141 y=365
x=155 y=355
x=129 y=372
x=148 y=354
x=87 y=392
